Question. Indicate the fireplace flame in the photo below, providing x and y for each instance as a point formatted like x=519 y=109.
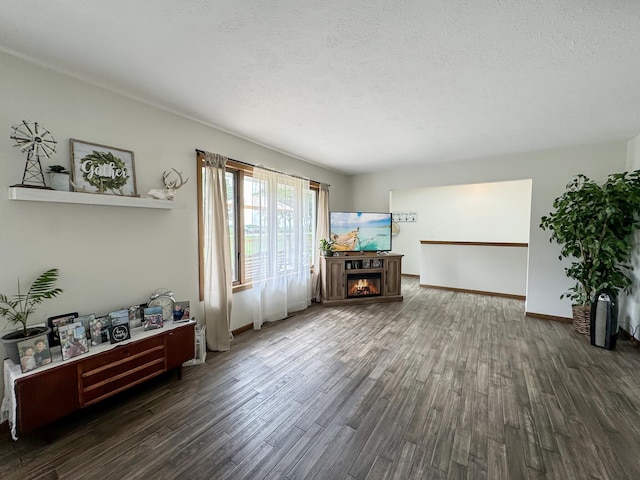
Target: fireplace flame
x=363 y=287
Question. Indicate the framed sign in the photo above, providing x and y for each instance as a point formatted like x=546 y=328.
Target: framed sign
x=119 y=329
x=101 y=169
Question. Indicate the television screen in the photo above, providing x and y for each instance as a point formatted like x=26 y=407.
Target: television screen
x=360 y=231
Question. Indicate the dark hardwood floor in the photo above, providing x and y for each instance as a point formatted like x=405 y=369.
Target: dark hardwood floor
x=442 y=385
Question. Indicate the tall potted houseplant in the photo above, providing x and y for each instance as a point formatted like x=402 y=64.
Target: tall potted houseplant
x=593 y=224
x=18 y=308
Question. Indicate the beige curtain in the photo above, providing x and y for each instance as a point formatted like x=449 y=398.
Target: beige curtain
x=322 y=231
x=217 y=254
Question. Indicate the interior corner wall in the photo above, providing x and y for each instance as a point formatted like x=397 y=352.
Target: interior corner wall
x=549 y=171
x=110 y=257
x=629 y=314
x=479 y=212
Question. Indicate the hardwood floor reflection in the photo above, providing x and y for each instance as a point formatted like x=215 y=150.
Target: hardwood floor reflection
x=442 y=385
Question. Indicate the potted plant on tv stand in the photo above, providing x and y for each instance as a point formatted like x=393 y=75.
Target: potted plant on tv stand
x=593 y=224
x=18 y=308
x=327 y=247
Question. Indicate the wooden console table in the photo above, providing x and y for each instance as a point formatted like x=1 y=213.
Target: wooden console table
x=386 y=270
x=62 y=387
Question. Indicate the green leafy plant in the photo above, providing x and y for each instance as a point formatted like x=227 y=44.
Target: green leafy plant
x=57 y=169
x=18 y=308
x=594 y=224
x=326 y=245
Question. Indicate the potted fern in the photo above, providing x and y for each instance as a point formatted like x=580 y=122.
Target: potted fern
x=18 y=308
x=593 y=224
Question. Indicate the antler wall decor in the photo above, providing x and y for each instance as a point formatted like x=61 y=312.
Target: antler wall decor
x=168 y=193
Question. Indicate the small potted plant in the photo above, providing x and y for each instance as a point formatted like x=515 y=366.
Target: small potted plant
x=327 y=247
x=58 y=177
x=18 y=308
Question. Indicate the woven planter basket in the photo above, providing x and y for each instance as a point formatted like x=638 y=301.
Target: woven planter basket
x=581 y=319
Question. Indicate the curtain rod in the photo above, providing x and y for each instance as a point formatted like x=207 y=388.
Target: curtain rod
x=266 y=168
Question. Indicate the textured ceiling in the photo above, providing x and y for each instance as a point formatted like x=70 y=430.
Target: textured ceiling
x=358 y=85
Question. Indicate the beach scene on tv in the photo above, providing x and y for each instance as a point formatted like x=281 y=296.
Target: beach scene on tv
x=360 y=231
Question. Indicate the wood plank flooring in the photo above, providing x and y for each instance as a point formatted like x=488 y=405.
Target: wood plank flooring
x=442 y=385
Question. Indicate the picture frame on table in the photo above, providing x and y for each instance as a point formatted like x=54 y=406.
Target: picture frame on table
x=135 y=315
x=119 y=330
x=152 y=318
x=99 y=330
x=99 y=168
x=86 y=322
x=55 y=322
x=34 y=353
x=73 y=340
x=182 y=311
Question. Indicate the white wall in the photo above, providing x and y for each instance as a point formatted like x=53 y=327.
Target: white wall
x=629 y=314
x=481 y=268
x=481 y=212
x=549 y=170
x=111 y=257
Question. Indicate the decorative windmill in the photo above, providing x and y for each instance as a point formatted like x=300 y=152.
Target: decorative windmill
x=35 y=140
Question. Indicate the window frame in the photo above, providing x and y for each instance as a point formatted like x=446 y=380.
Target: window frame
x=240 y=170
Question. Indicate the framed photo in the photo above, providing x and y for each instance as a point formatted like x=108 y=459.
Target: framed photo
x=73 y=340
x=86 y=321
x=135 y=315
x=181 y=311
x=34 y=353
x=100 y=169
x=57 y=321
x=152 y=318
x=95 y=331
x=102 y=327
x=124 y=312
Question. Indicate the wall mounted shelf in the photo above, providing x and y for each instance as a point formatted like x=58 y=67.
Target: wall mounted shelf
x=55 y=196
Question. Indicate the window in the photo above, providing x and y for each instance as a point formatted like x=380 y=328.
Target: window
x=230 y=179
x=261 y=227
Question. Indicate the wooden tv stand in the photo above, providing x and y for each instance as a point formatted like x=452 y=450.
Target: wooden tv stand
x=339 y=272
x=51 y=392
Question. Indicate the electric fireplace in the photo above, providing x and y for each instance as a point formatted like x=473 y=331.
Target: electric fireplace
x=364 y=285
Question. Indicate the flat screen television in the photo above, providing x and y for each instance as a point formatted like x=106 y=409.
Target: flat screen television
x=360 y=231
